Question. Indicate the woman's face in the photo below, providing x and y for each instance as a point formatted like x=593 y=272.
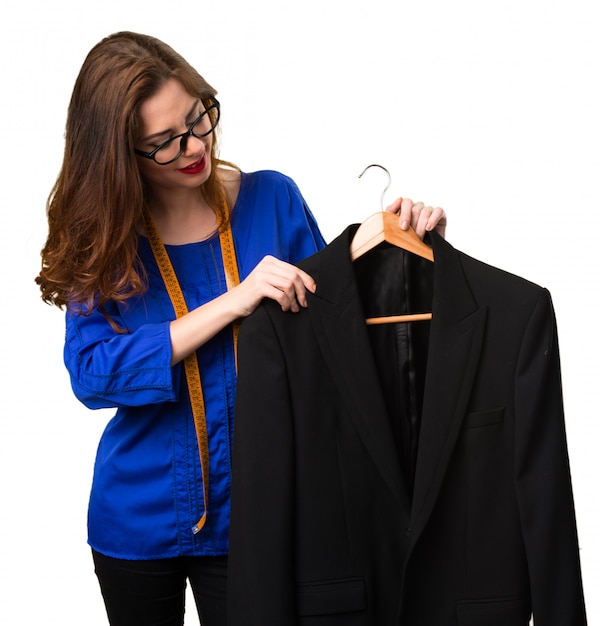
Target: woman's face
x=168 y=113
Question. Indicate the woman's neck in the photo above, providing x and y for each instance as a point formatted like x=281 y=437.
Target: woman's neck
x=183 y=219
x=184 y=216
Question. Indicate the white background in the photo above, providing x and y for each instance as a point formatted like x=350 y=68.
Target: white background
x=489 y=109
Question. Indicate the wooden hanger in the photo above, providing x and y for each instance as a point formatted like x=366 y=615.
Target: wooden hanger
x=385 y=226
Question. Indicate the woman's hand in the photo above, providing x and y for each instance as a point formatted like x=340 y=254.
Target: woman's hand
x=422 y=218
x=271 y=278
x=277 y=280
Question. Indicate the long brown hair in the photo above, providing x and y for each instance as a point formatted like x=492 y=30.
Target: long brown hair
x=90 y=255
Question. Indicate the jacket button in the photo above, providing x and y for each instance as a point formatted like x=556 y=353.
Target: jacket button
x=407 y=531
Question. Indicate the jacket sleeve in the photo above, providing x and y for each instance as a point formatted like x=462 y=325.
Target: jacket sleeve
x=543 y=478
x=261 y=564
x=111 y=369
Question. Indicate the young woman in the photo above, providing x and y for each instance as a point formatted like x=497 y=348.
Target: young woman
x=157 y=248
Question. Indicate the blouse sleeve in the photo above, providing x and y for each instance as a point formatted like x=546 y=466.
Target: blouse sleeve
x=272 y=217
x=307 y=238
x=111 y=369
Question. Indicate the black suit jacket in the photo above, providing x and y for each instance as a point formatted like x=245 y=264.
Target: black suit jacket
x=331 y=525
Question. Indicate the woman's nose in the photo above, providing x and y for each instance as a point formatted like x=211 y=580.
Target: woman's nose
x=192 y=145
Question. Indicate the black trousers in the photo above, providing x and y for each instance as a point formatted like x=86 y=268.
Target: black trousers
x=152 y=593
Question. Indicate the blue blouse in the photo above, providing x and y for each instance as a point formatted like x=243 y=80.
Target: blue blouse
x=147 y=488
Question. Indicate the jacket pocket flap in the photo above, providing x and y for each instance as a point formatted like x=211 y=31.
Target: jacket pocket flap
x=328 y=597
x=512 y=611
x=479 y=419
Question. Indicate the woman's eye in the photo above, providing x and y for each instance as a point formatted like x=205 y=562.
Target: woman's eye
x=195 y=118
x=164 y=142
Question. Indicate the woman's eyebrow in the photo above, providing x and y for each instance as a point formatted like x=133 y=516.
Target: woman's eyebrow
x=170 y=130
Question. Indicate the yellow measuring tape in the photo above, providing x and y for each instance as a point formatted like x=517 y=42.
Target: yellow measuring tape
x=192 y=370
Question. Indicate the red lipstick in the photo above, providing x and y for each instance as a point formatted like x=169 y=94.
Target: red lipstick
x=194 y=168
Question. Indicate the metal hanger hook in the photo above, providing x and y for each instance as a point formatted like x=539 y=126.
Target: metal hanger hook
x=388 y=175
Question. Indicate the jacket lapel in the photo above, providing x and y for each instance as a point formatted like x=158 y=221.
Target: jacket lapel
x=338 y=321
x=455 y=342
x=457 y=331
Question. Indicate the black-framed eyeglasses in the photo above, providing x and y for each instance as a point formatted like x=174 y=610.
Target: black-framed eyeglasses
x=202 y=126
